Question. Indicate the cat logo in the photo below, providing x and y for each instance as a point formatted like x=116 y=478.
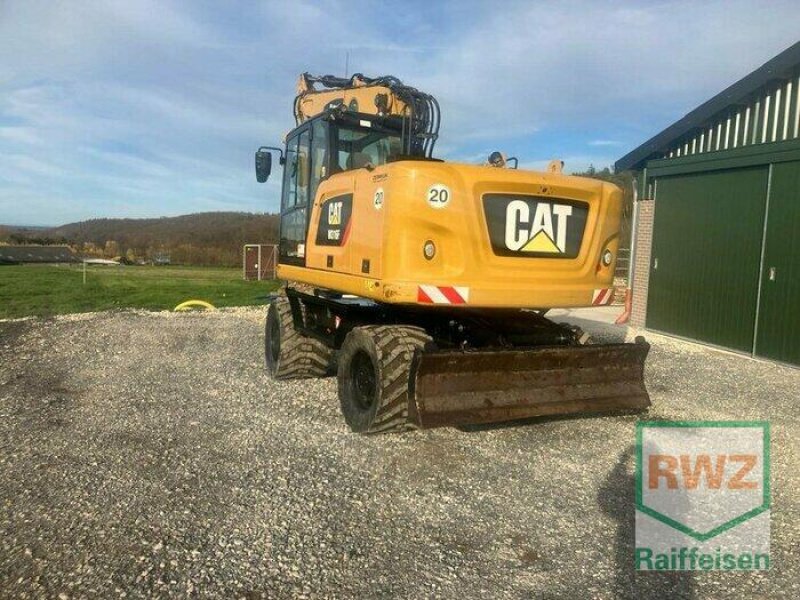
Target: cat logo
x=535 y=226
x=334 y=213
x=543 y=232
x=334 y=220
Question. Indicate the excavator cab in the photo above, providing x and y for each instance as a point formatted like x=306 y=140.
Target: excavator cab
x=325 y=145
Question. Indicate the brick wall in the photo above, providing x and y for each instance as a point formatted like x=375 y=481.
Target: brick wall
x=641 y=264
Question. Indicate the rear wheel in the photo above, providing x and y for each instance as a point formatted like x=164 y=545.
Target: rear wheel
x=289 y=354
x=374 y=369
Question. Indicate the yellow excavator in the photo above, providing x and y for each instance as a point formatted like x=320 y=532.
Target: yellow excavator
x=424 y=284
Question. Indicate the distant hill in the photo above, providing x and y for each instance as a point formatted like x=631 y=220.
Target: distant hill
x=214 y=238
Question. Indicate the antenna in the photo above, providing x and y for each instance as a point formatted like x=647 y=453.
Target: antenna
x=346 y=63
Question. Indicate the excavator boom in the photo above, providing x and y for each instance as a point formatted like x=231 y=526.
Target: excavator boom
x=381 y=96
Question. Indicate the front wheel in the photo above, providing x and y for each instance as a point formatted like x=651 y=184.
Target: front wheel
x=374 y=370
x=290 y=354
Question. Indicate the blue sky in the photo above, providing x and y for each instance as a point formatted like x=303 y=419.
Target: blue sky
x=142 y=108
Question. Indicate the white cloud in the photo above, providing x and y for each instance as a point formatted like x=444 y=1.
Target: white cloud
x=605 y=143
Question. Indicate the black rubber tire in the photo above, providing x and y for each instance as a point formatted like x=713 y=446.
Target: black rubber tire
x=288 y=353
x=388 y=350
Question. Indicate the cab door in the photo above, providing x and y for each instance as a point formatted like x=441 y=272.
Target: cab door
x=295 y=198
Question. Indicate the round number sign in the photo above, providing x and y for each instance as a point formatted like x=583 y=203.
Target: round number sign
x=438 y=195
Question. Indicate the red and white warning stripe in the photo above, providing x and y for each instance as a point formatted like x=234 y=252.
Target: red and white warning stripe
x=442 y=294
x=602 y=297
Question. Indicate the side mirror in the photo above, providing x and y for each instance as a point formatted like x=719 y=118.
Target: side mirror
x=263 y=165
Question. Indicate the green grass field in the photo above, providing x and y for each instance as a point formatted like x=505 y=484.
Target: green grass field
x=42 y=290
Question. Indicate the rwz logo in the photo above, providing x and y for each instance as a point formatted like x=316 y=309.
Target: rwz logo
x=689 y=471
x=702 y=495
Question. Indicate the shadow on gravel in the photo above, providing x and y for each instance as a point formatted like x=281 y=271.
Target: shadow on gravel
x=10 y=331
x=616 y=499
x=542 y=420
x=606 y=331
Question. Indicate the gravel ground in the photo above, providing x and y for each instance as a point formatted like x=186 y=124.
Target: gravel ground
x=148 y=455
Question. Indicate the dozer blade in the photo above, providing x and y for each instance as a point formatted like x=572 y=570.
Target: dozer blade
x=473 y=387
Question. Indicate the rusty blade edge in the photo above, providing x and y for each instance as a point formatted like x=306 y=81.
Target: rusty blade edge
x=484 y=416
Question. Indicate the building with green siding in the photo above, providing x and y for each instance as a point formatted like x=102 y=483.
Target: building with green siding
x=716 y=249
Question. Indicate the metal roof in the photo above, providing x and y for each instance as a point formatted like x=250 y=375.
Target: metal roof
x=774 y=69
x=36 y=254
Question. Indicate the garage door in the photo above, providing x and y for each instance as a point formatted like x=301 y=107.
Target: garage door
x=706 y=256
x=778 y=335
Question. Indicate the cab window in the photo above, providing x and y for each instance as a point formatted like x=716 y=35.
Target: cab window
x=319 y=156
x=295 y=198
x=356 y=148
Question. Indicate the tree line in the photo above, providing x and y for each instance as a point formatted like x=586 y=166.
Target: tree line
x=624 y=181
x=213 y=239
